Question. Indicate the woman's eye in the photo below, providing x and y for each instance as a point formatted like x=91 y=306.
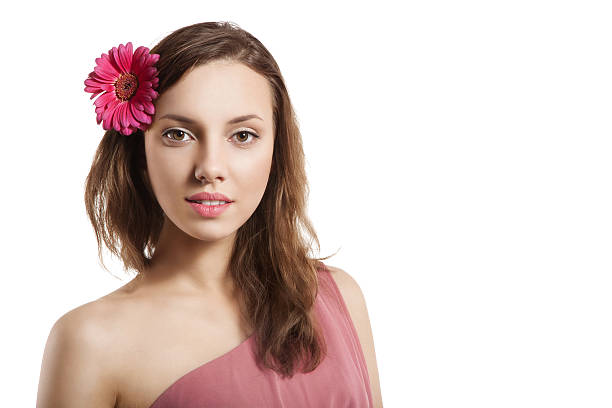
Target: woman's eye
x=179 y=135
x=242 y=136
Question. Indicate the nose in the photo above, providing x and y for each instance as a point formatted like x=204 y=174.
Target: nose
x=210 y=160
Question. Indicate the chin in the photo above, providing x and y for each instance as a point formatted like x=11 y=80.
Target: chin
x=211 y=234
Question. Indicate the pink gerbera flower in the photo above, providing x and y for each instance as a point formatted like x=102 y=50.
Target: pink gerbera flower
x=125 y=83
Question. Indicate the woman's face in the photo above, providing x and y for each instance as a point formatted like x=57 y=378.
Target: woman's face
x=227 y=156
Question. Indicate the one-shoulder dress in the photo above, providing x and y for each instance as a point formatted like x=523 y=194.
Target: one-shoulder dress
x=233 y=380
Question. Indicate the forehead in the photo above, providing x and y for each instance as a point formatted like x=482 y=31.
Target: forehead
x=218 y=90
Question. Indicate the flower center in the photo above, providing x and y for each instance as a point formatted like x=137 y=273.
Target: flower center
x=126 y=86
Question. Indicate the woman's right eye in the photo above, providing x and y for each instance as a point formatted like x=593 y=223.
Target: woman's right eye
x=179 y=134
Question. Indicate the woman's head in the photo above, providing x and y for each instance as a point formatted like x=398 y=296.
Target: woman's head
x=213 y=131
x=212 y=73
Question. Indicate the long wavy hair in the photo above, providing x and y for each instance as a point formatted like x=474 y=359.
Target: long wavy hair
x=271 y=262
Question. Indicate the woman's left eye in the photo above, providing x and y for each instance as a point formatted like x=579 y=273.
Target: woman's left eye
x=246 y=132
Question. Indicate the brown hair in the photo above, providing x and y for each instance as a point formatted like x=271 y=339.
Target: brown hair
x=275 y=276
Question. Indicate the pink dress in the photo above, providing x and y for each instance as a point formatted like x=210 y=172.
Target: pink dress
x=234 y=380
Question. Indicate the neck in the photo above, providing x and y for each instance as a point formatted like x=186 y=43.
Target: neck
x=192 y=264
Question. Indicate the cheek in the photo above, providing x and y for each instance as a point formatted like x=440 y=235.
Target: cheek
x=164 y=175
x=252 y=175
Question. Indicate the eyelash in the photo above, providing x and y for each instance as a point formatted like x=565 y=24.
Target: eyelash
x=255 y=136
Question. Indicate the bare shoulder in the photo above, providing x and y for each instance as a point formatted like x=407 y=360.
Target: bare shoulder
x=348 y=286
x=76 y=368
x=356 y=304
x=351 y=293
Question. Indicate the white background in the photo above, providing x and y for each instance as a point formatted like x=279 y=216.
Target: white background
x=458 y=155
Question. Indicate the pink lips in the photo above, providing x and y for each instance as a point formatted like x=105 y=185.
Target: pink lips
x=209 y=211
x=216 y=196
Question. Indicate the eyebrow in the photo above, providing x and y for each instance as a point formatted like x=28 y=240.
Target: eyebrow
x=190 y=121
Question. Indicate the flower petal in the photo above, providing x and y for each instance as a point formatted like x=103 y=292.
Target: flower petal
x=128 y=55
x=141 y=116
x=137 y=103
x=113 y=59
x=92 y=83
x=93 y=76
x=149 y=108
x=98 y=87
x=107 y=113
x=148 y=73
x=130 y=115
x=117 y=56
x=125 y=114
x=94 y=91
x=145 y=85
x=106 y=116
x=152 y=59
x=114 y=119
x=119 y=114
x=105 y=99
x=105 y=68
x=138 y=60
x=121 y=58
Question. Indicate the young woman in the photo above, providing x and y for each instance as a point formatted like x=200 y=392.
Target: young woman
x=199 y=186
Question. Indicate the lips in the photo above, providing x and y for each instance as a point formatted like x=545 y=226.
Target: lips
x=204 y=196
x=209 y=211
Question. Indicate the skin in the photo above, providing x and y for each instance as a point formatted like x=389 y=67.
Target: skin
x=197 y=249
x=151 y=331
